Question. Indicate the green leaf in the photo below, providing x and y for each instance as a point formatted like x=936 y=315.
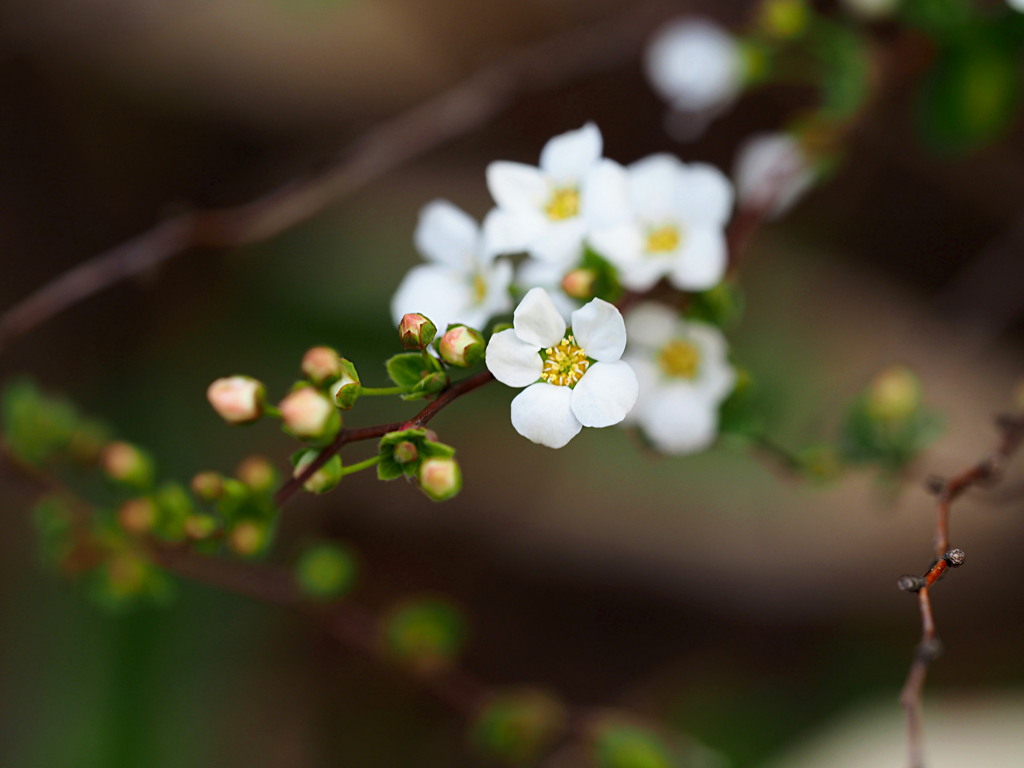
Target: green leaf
x=37 y=427
x=845 y=69
x=406 y=369
x=721 y=306
x=740 y=414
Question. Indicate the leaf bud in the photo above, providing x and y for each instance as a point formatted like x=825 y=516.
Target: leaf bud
x=416 y=331
x=462 y=346
x=321 y=364
x=137 y=515
x=326 y=571
x=326 y=478
x=127 y=465
x=346 y=389
x=237 y=399
x=440 y=478
x=308 y=415
x=579 y=283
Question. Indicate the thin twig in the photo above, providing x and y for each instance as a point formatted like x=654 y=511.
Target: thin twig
x=448 y=115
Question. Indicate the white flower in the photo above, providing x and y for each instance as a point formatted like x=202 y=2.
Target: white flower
x=677 y=228
x=684 y=376
x=772 y=172
x=695 y=65
x=548 y=210
x=573 y=377
x=463 y=283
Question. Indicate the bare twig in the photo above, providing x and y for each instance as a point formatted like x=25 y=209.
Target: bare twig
x=989 y=469
x=440 y=119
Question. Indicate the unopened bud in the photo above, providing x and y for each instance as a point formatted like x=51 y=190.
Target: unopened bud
x=440 y=478
x=257 y=472
x=326 y=571
x=126 y=464
x=416 y=331
x=579 y=284
x=321 y=364
x=237 y=399
x=325 y=478
x=405 y=452
x=137 y=515
x=200 y=526
x=208 y=486
x=783 y=19
x=346 y=389
x=462 y=346
x=309 y=415
x=248 y=537
x=894 y=394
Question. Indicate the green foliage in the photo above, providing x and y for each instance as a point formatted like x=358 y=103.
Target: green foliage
x=606 y=283
x=939 y=18
x=174 y=506
x=37 y=427
x=426 y=634
x=622 y=745
x=421 y=373
x=54 y=523
x=326 y=571
x=740 y=413
x=402 y=452
x=844 y=69
x=518 y=726
x=721 y=306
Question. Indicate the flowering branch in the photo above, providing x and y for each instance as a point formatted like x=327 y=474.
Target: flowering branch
x=429 y=125
x=989 y=469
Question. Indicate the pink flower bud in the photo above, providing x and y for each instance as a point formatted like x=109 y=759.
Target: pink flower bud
x=257 y=472
x=208 y=486
x=416 y=331
x=440 y=478
x=236 y=399
x=307 y=414
x=137 y=515
x=461 y=346
x=248 y=537
x=405 y=452
x=579 y=284
x=126 y=464
x=321 y=364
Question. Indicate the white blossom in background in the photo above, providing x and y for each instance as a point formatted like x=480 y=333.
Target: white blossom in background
x=574 y=377
x=772 y=172
x=695 y=65
x=534 y=273
x=548 y=210
x=462 y=282
x=684 y=375
x=873 y=10
x=676 y=230
x=1017 y=5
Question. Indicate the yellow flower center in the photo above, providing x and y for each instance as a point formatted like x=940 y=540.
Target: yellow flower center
x=663 y=239
x=679 y=359
x=565 y=363
x=479 y=288
x=564 y=204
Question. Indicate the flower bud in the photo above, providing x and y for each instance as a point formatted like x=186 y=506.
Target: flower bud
x=346 y=389
x=325 y=478
x=237 y=399
x=440 y=478
x=894 y=394
x=784 y=19
x=405 y=452
x=326 y=571
x=200 y=526
x=126 y=464
x=308 y=415
x=258 y=473
x=137 y=515
x=426 y=633
x=321 y=364
x=579 y=284
x=208 y=486
x=416 y=331
x=462 y=346
x=517 y=726
x=248 y=537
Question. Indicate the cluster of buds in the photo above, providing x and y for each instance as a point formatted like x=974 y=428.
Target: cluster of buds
x=416 y=454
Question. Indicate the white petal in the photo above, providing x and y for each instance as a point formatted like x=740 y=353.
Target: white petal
x=543 y=413
x=605 y=195
x=648 y=378
x=694 y=64
x=447 y=235
x=438 y=292
x=513 y=361
x=621 y=245
x=652 y=186
x=537 y=321
x=651 y=325
x=498 y=278
x=704 y=196
x=560 y=243
x=772 y=172
x=599 y=329
x=511 y=231
x=677 y=421
x=517 y=187
x=642 y=274
x=701 y=265
x=567 y=157
x=605 y=394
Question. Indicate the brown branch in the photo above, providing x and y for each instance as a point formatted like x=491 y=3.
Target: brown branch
x=987 y=470
x=448 y=115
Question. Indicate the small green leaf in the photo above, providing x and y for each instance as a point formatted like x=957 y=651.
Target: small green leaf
x=407 y=368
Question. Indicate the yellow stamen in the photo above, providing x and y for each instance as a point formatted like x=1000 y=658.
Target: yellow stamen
x=679 y=359
x=663 y=239
x=565 y=363
x=564 y=204
x=479 y=288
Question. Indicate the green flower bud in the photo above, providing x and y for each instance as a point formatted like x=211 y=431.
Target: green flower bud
x=127 y=465
x=519 y=726
x=440 y=478
x=326 y=571
x=346 y=389
x=321 y=364
x=416 y=331
x=137 y=515
x=258 y=473
x=237 y=399
x=427 y=634
x=308 y=415
x=462 y=346
x=324 y=479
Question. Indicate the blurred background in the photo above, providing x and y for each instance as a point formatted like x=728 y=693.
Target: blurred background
x=755 y=614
